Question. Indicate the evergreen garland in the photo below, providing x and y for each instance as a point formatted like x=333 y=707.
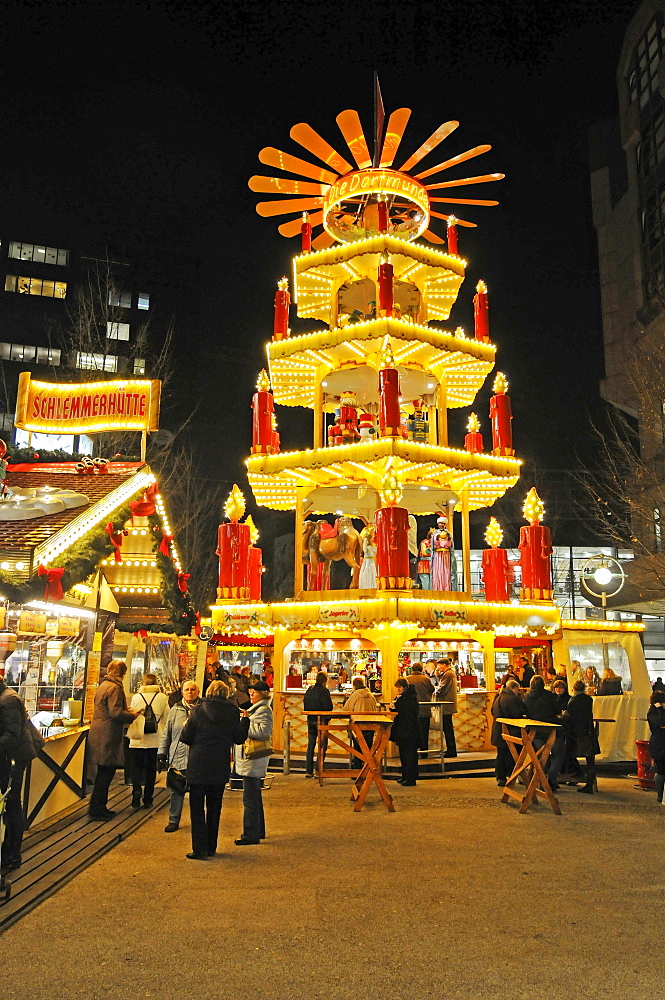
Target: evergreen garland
x=83 y=557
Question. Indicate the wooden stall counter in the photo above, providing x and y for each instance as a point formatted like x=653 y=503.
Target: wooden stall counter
x=55 y=780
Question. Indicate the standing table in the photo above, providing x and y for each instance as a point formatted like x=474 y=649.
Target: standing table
x=531 y=760
x=370 y=772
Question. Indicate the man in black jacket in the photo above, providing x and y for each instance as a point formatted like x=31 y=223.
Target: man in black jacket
x=317 y=699
x=543 y=705
x=16 y=750
x=508 y=704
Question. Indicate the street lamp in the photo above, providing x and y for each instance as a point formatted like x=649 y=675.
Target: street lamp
x=602 y=576
x=598 y=575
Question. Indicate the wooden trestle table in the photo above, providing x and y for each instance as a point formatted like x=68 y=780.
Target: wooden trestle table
x=530 y=760
x=355 y=726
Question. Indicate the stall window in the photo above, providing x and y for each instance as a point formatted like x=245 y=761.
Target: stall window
x=599 y=656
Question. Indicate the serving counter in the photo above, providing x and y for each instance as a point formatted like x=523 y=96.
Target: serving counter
x=54 y=779
x=472 y=722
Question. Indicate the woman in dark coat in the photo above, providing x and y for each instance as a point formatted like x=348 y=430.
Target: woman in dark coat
x=656 y=720
x=17 y=749
x=105 y=739
x=406 y=730
x=581 y=729
x=508 y=704
x=210 y=732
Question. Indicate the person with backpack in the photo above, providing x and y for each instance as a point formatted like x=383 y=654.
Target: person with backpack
x=144 y=735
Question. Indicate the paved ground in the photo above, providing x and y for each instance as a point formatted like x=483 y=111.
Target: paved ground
x=453 y=896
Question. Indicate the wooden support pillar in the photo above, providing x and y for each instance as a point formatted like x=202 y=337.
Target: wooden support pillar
x=318 y=415
x=442 y=416
x=466 y=542
x=282 y=640
x=431 y=412
x=297 y=545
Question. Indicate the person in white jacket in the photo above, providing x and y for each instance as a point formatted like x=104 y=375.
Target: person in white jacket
x=259 y=717
x=144 y=736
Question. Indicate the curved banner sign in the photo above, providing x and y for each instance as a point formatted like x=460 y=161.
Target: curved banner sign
x=87 y=407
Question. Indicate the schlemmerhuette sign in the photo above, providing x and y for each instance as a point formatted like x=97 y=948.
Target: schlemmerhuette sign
x=87 y=407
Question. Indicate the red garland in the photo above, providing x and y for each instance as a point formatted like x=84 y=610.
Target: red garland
x=182 y=581
x=116 y=540
x=53 y=590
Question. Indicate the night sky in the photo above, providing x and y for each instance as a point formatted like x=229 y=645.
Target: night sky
x=137 y=127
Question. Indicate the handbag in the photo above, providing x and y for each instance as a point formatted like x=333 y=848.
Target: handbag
x=255 y=749
x=175 y=779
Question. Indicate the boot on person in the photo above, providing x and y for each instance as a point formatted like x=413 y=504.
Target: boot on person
x=659 y=781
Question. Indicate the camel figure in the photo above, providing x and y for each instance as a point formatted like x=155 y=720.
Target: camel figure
x=344 y=544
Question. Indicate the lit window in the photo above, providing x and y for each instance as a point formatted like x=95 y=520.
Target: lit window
x=117 y=331
x=139 y=366
x=35 y=286
x=48 y=356
x=120 y=299
x=97 y=362
x=43 y=255
x=143 y=301
x=20 y=352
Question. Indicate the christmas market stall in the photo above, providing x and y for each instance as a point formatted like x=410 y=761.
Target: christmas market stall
x=86 y=551
x=381 y=380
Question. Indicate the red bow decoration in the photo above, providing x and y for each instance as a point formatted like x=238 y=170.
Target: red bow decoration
x=164 y=544
x=53 y=590
x=182 y=581
x=197 y=624
x=116 y=540
x=145 y=507
x=141 y=634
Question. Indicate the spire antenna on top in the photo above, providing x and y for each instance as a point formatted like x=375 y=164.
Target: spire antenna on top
x=379 y=121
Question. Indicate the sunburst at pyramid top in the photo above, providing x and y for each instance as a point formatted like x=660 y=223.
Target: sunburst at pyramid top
x=348 y=202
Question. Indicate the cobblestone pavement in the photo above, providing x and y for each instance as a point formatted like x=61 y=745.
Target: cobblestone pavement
x=453 y=896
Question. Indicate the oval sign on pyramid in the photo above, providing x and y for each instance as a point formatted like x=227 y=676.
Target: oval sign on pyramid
x=343 y=198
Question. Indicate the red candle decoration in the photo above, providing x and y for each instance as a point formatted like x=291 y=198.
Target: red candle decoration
x=255 y=573
x=473 y=441
x=263 y=406
x=501 y=415
x=536 y=549
x=282 y=303
x=233 y=541
x=389 y=412
x=481 y=312
x=383 y=216
x=385 y=287
x=306 y=233
x=391 y=534
x=452 y=234
x=496 y=570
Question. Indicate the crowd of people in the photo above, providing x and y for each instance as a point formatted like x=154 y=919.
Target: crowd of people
x=196 y=740
x=203 y=738
x=572 y=714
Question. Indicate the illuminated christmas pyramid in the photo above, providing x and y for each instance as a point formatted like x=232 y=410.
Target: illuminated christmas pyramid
x=381 y=379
